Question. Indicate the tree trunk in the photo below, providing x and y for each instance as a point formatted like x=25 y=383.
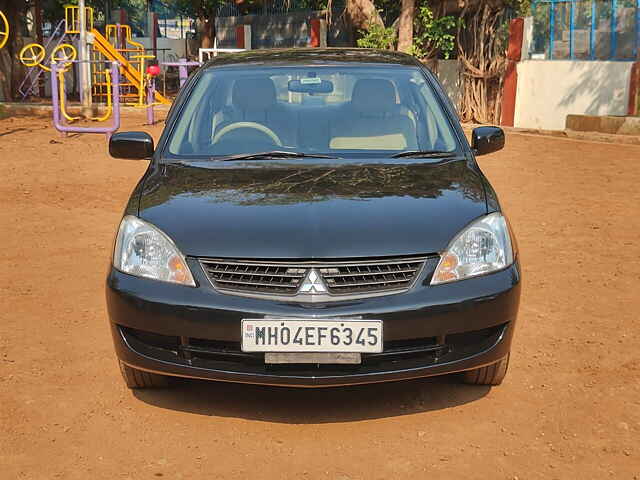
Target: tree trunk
x=361 y=13
x=5 y=76
x=40 y=40
x=10 y=68
x=482 y=58
x=205 y=26
x=405 y=26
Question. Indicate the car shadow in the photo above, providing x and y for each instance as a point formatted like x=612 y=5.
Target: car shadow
x=315 y=405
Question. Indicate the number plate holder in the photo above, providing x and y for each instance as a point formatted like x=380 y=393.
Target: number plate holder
x=318 y=358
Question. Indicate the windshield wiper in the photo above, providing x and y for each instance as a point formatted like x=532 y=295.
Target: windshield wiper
x=425 y=154
x=268 y=155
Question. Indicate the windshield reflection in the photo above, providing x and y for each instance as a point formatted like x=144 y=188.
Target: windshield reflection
x=283 y=185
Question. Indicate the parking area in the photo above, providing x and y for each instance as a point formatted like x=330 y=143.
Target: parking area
x=569 y=407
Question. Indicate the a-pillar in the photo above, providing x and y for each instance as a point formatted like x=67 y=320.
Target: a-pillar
x=243 y=36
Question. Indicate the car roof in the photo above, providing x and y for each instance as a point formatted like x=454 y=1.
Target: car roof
x=311 y=56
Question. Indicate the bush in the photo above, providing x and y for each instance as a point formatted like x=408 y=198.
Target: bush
x=377 y=36
x=432 y=35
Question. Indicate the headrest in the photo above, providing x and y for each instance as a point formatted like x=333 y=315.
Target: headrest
x=254 y=93
x=373 y=95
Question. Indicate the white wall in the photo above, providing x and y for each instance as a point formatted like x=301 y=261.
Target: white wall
x=177 y=46
x=549 y=90
x=448 y=72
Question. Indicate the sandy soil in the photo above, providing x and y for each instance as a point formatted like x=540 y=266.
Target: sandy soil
x=569 y=408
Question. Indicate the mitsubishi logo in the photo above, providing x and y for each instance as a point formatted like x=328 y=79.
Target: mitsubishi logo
x=312 y=283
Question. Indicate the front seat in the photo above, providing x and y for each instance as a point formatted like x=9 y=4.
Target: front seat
x=254 y=100
x=374 y=121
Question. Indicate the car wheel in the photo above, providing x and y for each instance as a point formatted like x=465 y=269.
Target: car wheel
x=490 y=375
x=135 y=378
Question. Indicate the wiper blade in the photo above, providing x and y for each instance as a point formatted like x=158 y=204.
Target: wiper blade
x=269 y=155
x=425 y=154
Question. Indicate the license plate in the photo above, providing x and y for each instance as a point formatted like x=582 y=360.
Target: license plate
x=298 y=335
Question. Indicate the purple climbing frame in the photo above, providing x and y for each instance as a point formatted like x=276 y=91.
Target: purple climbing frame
x=115 y=89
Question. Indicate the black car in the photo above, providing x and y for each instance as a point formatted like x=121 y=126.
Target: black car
x=312 y=217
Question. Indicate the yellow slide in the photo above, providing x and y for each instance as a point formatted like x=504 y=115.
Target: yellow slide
x=133 y=75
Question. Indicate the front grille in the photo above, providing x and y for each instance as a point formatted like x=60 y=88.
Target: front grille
x=255 y=277
x=370 y=277
x=360 y=278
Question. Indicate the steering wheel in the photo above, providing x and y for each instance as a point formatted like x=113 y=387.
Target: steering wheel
x=64 y=54
x=256 y=126
x=32 y=55
x=4 y=29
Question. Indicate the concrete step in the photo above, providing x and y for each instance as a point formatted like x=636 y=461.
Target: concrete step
x=604 y=124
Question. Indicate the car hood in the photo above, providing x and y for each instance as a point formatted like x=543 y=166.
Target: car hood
x=287 y=210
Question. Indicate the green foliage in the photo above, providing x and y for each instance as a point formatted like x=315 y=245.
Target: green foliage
x=522 y=7
x=377 y=36
x=136 y=13
x=53 y=11
x=432 y=35
x=194 y=8
x=389 y=10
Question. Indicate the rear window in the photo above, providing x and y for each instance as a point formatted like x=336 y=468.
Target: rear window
x=333 y=110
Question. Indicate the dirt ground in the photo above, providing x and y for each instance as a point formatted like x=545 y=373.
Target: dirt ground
x=569 y=408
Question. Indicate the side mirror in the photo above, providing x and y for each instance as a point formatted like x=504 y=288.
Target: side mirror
x=487 y=140
x=131 y=145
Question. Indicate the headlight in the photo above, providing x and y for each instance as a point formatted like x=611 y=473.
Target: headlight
x=144 y=251
x=482 y=247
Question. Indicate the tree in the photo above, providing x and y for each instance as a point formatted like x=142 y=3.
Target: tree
x=405 y=26
x=204 y=11
x=434 y=33
x=361 y=15
x=482 y=43
x=10 y=68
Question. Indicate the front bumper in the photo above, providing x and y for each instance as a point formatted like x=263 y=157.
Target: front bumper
x=195 y=332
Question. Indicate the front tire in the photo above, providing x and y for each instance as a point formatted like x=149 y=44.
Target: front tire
x=136 y=379
x=490 y=375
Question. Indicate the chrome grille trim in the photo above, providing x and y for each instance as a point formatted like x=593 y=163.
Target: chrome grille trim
x=343 y=279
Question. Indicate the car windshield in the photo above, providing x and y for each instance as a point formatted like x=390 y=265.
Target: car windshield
x=335 y=110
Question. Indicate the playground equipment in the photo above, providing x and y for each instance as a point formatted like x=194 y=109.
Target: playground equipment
x=144 y=79
x=59 y=100
x=203 y=55
x=72 y=19
x=62 y=57
x=183 y=65
x=109 y=104
x=131 y=62
x=152 y=72
x=120 y=38
x=32 y=55
x=4 y=29
x=122 y=50
x=64 y=54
